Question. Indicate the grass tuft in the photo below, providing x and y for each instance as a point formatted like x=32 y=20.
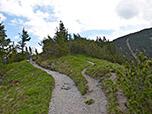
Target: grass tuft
x=89 y=102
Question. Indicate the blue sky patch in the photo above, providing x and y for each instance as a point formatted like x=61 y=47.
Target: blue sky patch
x=88 y=33
x=44 y=9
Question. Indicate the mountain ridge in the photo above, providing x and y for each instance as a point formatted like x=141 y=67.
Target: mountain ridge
x=140 y=41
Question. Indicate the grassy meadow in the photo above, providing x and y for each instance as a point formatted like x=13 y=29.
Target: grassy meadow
x=25 y=90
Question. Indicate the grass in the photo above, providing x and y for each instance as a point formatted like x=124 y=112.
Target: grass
x=101 y=70
x=25 y=90
x=89 y=102
x=71 y=66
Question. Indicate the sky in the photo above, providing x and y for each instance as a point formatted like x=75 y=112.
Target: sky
x=89 y=18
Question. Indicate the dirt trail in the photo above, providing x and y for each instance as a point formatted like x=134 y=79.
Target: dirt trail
x=66 y=98
x=133 y=54
x=95 y=93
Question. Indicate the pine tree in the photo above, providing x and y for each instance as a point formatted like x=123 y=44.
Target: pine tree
x=36 y=52
x=24 y=38
x=61 y=38
x=26 y=49
x=30 y=49
x=136 y=84
x=3 y=41
x=61 y=32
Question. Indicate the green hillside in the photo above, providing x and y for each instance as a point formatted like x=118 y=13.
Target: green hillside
x=70 y=66
x=132 y=82
x=101 y=70
x=139 y=42
x=25 y=90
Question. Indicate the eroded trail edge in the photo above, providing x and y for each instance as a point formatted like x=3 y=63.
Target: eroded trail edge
x=66 y=98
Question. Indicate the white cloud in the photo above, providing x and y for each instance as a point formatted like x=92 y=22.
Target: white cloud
x=128 y=9
x=16 y=37
x=15 y=22
x=80 y=15
x=2 y=17
x=39 y=49
x=92 y=14
x=41 y=28
x=36 y=24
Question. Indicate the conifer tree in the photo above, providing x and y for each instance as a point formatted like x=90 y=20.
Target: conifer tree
x=36 y=52
x=61 y=32
x=3 y=41
x=24 y=38
x=30 y=49
x=61 y=39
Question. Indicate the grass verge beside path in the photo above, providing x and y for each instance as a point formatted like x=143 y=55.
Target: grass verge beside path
x=100 y=67
x=101 y=70
x=25 y=90
x=72 y=67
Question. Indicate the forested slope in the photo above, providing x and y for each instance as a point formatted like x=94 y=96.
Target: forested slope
x=140 y=41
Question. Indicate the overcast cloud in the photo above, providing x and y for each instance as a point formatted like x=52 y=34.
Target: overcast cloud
x=128 y=9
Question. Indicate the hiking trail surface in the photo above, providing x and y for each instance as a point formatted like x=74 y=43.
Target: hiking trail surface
x=66 y=98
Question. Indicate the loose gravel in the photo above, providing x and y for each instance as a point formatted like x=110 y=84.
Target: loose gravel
x=66 y=98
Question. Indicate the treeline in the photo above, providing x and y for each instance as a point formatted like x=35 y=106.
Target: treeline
x=9 y=52
x=63 y=44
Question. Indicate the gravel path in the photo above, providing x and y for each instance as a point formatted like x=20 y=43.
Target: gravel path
x=95 y=93
x=66 y=98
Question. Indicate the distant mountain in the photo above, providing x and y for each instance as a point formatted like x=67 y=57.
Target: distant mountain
x=134 y=43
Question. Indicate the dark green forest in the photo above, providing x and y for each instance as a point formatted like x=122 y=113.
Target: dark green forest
x=63 y=44
x=140 y=41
